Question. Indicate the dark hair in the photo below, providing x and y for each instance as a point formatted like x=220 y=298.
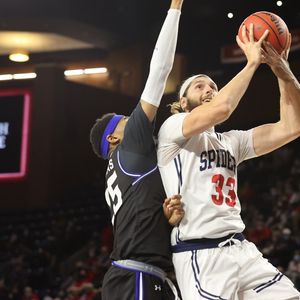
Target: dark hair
x=97 y=131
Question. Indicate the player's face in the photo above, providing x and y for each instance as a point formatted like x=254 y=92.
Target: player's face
x=201 y=91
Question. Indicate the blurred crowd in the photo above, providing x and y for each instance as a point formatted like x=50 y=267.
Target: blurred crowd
x=270 y=196
x=62 y=253
x=59 y=254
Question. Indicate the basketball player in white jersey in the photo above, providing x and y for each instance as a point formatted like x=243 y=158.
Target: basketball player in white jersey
x=212 y=258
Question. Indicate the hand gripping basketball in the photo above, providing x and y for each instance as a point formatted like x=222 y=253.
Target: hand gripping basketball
x=278 y=31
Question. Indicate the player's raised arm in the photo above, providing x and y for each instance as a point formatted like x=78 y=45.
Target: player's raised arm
x=224 y=103
x=269 y=137
x=162 y=61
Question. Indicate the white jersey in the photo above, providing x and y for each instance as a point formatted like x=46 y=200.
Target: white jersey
x=203 y=170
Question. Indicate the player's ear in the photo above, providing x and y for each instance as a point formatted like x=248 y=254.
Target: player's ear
x=183 y=103
x=112 y=139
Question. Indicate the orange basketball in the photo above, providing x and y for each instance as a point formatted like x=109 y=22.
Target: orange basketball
x=263 y=20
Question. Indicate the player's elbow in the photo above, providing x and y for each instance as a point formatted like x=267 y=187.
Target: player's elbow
x=297 y=132
x=291 y=129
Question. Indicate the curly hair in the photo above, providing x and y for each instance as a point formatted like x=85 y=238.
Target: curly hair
x=97 y=132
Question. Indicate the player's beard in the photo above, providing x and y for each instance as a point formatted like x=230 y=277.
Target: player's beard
x=191 y=104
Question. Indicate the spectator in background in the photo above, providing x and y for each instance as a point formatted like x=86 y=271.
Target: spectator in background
x=293 y=270
x=29 y=294
x=3 y=290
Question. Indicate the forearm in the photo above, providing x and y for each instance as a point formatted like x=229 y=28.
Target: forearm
x=290 y=105
x=232 y=93
x=161 y=62
x=164 y=50
x=290 y=90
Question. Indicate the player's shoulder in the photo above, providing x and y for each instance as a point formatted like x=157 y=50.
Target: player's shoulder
x=173 y=119
x=237 y=137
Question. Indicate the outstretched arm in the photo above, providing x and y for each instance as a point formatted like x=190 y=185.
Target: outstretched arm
x=269 y=137
x=162 y=61
x=225 y=102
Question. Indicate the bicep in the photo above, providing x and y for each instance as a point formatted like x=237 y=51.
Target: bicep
x=269 y=137
x=203 y=117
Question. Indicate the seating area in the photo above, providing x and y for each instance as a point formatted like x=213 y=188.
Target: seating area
x=62 y=253
x=269 y=191
x=57 y=253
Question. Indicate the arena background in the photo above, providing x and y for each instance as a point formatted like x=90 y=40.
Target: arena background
x=54 y=217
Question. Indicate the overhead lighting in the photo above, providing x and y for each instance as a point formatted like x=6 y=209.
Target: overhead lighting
x=6 y=77
x=279 y=3
x=230 y=15
x=75 y=72
x=88 y=71
x=24 y=76
x=95 y=71
x=19 y=56
x=17 y=76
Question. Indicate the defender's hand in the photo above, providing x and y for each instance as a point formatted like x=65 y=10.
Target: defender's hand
x=176 y=4
x=173 y=209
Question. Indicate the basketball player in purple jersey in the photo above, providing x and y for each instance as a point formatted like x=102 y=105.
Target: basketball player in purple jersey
x=134 y=192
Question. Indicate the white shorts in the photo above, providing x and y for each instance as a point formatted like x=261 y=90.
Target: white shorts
x=236 y=272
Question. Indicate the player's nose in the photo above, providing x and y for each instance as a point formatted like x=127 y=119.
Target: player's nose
x=208 y=89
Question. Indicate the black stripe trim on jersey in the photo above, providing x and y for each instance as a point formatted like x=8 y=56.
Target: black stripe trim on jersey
x=178 y=240
x=219 y=137
x=178 y=167
x=196 y=270
x=263 y=286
